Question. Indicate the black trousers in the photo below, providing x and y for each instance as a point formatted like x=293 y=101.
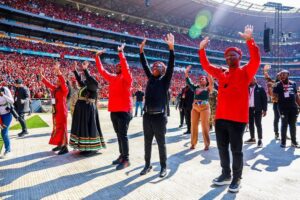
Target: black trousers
x=288 y=118
x=255 y=117
x=276 y=117
x=229 y=132
x=155 y=125
x=181 y=113
x=187 y=116
x=120 y=122
x=22 y=121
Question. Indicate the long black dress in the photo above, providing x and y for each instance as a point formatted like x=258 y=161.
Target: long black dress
x=86 y=134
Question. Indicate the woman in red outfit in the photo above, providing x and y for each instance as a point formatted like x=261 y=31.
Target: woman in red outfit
x=59 y=94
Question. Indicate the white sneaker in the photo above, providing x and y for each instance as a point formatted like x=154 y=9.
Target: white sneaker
x=6 y=154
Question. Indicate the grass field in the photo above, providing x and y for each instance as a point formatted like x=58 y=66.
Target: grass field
x=32 y=122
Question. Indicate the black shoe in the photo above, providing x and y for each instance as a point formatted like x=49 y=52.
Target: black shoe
x=250 y=141
x=181 y=125
x=63 y=150
x=163 y=172
x=123 y=164
x=117 y=161
x=186 y=133
x=296 y=145
x=223 y=179
x=146 y=170
x=282 y=145
x=22 y=133
x=259 y=144
x=276 y=136
x=58 y=148
x=288 y=138
x=235 y=185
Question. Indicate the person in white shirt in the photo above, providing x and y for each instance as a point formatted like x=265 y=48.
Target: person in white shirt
x=6 y=100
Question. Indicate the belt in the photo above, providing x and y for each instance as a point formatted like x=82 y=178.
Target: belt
x=154 y=113
x=87 y=100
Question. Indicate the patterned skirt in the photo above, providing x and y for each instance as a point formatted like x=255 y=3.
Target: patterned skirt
x=86 y=134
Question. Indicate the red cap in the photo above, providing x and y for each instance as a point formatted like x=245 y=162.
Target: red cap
x=239 y=51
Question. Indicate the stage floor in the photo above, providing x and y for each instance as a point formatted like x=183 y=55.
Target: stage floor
x=35 y=172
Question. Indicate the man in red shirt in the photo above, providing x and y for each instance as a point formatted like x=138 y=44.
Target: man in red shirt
x=232 y=108
x=119 y=103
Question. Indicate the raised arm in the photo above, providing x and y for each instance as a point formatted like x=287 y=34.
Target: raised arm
x=45 y=81
x=188 y=80
x=143 y=59
x=90 y=79
x=105 y=74
x=253 y=65
x=77 y=76
x=170 y=41
x=124 y=65
x=206 y=65
x=210 y=83
x=63 y=83
x=48 y=84
x=266 y=73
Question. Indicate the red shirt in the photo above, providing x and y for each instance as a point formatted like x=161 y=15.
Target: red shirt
x=233 y=101
x=120 y=99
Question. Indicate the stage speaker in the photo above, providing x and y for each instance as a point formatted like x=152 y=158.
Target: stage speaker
x=267 y=40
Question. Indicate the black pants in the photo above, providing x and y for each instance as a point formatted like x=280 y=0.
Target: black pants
x=181 y=113
x=288 y=118
x=229 y=132
x=22 y=121
x=155 y=125
x=187 y=116
x=255 y=117
x=276 y=117
x=120 y=122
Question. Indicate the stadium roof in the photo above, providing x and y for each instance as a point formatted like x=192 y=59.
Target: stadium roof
x=288 y=6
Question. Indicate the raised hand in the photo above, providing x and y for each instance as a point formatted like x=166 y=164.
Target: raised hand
x=142 y=45
x=57 y=68
x=99 y=53
x=203 y=44
x=75 y=67
x=187 y=70
x=267 y=67
x=170 y=41
x=247 y=35
x=121 y=48
x=85 y=65
x=41 y=72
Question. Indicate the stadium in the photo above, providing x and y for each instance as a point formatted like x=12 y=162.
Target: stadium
x=35 y=35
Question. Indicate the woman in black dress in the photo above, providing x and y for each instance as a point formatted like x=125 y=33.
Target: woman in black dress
x=86 y=135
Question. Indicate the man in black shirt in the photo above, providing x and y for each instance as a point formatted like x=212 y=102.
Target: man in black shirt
x=139 y=100
x=21 y=104
x=288 y=103
x=156 y=103
x=187 y=104
x=179 y=106
x=258 y=104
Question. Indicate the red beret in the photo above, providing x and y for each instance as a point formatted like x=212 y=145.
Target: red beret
x=233 y=49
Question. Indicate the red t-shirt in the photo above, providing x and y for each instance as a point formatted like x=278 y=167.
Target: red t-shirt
x=120 y=85
x=233 y=102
